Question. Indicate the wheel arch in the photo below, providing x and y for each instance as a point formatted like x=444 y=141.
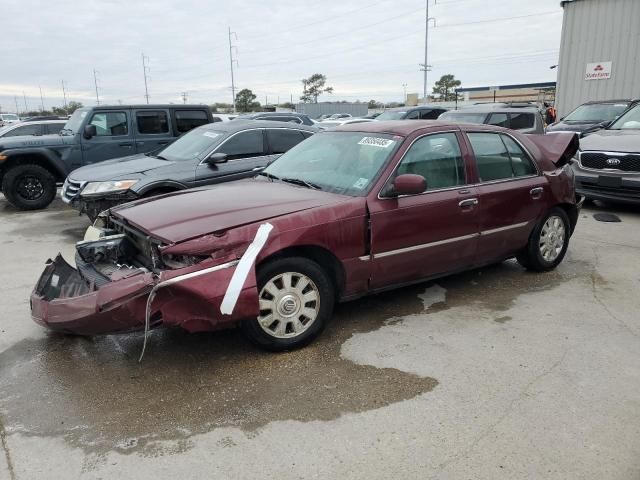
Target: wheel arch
x=320 y=255
x=572 y=212
x=35 y=157
x=158 y=188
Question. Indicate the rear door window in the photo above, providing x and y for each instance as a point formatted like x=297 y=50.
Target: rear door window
x=492 y=159
x=245 y=144
x=414 y=115
x=282 y=139
x=189 y=119
x=499 y=120
x=53 y=128
x=521 y=163
x=520 y=121
x=152 y=122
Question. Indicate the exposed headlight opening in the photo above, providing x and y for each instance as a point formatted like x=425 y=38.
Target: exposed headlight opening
x=181 y=261
x=93 y=188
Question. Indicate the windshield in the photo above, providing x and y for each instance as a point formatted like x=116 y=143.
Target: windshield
x=9 y=117
x=193 y=145
x=596 y=113
x=467 y=117
x=391 y=115
x=347 y=163
x=628 y=121
x=73 y=124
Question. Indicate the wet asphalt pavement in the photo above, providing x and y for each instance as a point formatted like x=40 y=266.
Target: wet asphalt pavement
x=495 y=373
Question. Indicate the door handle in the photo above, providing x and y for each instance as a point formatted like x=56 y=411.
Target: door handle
x=469 y=202
x=536 y=192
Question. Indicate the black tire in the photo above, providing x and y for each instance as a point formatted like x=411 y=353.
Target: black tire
x=29 y=186
x=532 y=256
x=321 y=285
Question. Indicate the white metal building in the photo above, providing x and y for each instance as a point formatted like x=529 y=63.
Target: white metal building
x=599 y=52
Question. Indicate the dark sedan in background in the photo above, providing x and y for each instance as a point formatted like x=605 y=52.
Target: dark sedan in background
x=212 y=153
x=591 y=116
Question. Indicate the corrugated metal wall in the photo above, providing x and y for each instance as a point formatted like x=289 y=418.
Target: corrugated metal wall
x=598 y=31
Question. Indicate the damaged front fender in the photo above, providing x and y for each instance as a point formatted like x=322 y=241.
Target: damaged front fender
x=70 y=300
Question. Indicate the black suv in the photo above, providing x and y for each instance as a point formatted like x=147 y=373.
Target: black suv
x=421 y=112
x=30 y=167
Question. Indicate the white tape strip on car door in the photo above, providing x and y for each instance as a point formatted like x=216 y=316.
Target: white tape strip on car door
x=242 y=270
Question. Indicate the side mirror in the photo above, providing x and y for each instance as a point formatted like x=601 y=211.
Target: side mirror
x=409 y=184
x=217 y=158
x=90 y=131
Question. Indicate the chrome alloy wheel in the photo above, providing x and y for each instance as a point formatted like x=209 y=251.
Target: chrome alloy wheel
x=552 y=238
x=289 y=304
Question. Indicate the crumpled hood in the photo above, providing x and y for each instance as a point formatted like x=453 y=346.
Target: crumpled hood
x=118 y=168
x=30 y=141
x=187 y=214
x=612 y=141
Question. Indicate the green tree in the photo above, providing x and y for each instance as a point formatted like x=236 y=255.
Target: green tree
x=245 y=101
x=445 y=87
x=373 y=104
x=313 y=87
x=73 y=106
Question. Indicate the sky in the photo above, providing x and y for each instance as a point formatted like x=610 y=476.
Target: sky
x=368 y=49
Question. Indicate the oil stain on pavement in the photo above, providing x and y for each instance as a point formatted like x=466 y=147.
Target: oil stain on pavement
x=95 y=394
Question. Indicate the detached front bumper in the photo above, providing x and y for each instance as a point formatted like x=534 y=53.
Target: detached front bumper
x=69 y=300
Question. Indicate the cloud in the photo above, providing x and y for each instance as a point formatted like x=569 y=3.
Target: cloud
x=367 y=49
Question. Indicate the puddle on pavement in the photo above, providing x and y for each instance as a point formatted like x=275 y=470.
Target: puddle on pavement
x=95 y=394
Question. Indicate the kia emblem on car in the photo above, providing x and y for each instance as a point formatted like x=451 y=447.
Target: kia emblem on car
x=613 y=162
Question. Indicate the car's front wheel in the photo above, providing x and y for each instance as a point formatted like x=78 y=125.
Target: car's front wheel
x=29 y=187
x=296 y=298
x=548 y=242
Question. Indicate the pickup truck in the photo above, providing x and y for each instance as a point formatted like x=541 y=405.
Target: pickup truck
x=31 y=167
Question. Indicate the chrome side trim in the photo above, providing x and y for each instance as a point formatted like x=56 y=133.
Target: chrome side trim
x=448 y=240
x=365 y=258
x=503 y=229
x=425 y=245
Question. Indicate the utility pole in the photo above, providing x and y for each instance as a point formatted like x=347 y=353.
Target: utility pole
x=425 y=66
x=95 y=82
x=184 y=97
x=64 y=95
x=144 y=71
x=404 y=90
x=231 y=60
x=15 y=99
x=41 y=100
x=24 y=97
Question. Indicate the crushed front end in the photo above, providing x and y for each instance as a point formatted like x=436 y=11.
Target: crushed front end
x=109 y=289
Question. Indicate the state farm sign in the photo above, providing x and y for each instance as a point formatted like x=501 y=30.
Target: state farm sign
x=598 y=71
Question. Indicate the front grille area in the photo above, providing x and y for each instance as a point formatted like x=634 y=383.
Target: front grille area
x=626 y=191
x=598 y=160
x=71 y=189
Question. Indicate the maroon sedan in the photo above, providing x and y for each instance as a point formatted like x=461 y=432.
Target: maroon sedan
x=346 y=213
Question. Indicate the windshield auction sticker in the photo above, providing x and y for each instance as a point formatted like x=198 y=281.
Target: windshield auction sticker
x=211 y=134
x=376 y=142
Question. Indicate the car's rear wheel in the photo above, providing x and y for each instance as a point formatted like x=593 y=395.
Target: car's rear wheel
x=548 y=242
x=29 y=187
x=296 y=298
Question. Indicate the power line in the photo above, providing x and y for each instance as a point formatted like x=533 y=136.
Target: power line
x=95 y=82
x=144 y=71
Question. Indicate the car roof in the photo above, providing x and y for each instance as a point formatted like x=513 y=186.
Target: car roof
x=276 y=114
x=395 y=127
x=619 y=100
x=146 y=107
x=415 y=107
x=239 y=124
x=38 y=122
x=496 y=110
